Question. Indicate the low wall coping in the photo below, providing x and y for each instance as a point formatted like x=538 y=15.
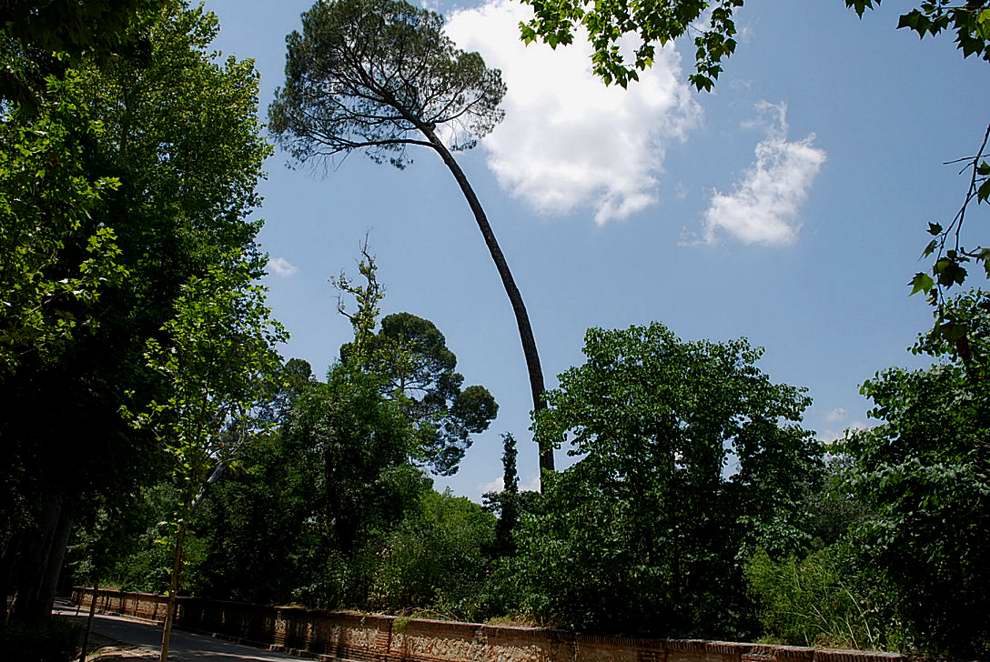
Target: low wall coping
x=473 y=631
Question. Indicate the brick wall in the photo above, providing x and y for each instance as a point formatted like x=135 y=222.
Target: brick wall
x=340 y=635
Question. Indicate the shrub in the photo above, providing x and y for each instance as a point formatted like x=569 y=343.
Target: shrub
x=435 y=559
x=822 y=600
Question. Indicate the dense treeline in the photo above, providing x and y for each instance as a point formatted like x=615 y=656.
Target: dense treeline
x=153 y=439
x=699 y=506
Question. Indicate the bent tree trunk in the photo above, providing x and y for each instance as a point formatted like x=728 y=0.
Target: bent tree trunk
x=515 y=297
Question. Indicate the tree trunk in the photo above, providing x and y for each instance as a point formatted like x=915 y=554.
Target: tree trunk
x=9 y=558
x=56 y=556
x=173 y=588
x=515 y=297
x=89 y=620
x=41 y=561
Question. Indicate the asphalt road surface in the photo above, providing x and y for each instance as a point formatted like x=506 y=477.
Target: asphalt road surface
x=185 y=647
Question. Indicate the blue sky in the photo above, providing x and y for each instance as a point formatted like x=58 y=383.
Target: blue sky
x=788 y=207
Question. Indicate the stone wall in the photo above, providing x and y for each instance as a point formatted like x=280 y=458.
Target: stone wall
x=341 y=635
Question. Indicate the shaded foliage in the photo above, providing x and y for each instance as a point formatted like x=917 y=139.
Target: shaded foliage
x=908 y=567
x=924 y=476
x=507 y=502
x=417 y=369
x=827 y=599
x=644 y=532
x=435 y=559
x=42 y=39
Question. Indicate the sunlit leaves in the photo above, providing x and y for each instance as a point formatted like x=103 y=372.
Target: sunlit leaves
x=219 y=362
x=952 y=255
x=57 y=257
x=922 y=283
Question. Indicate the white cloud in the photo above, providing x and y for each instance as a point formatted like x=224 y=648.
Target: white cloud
x=832 y=436
x=763 y=207
x=836 y=415
x=491 y=486
x=281 y=267
x=568 y=141
x=532 y=484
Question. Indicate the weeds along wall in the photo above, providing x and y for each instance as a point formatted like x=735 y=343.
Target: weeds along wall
x=339 y=635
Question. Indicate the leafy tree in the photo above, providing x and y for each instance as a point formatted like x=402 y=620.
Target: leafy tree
x=335 y=473
x=644 y=533
x=924 y=476
x=218 y=361
x=245 y=557
x=410 y=358
x=418 y=371
x=144 y=562
x=381 y=76
x=339 y=471
x=354 y=445
x=179 y=132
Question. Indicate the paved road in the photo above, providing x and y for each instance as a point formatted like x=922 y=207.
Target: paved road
x=185 y=647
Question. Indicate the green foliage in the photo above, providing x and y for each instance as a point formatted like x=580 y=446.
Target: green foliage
x=409 y=356
x=650 y=23
x=246 y=558
x=58 y=258
x=354 y=436
x=219 y=363
x=952 y=322
x=418 y=371
x=54 y=641
x=435 y=558
x=823 y=600
x=337 y=468
x=177 y=137
x=829 y=508
x=38 y=40
x=145 y=562
x=367 y=300
x=660 y=22
x=900 y=522
x=506 y=503
x=924 y=476
x=72 y=27
x=371 y=75
x=643 y=533
x=169 y=140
